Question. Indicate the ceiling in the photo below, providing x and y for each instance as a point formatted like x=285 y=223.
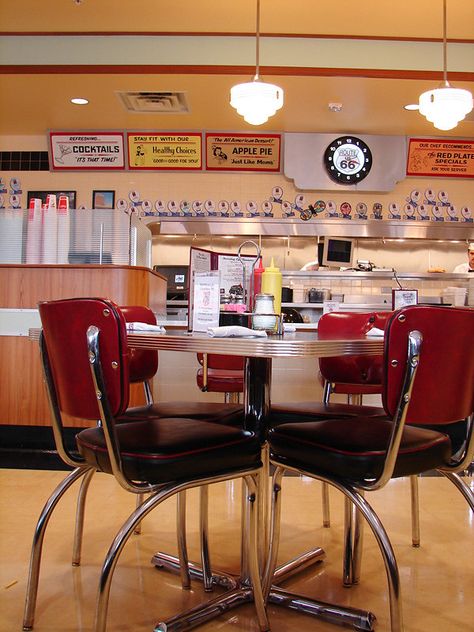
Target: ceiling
x=373 y=57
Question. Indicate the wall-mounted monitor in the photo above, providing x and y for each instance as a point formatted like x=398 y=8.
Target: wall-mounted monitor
x=178 y=280
x=338 y=252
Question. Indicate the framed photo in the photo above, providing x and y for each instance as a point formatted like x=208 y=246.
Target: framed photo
x=103 y=199
x=402 y=298
x=42 y=195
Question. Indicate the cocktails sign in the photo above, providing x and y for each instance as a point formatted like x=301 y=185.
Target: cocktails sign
x=92 y=151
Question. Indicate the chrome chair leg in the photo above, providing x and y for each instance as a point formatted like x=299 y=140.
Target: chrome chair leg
x=140 y=499
x=253 y=490
x=115 y=549
x=465 y=490
x=388 y=555
x=325 y=505
x=339 y=615
x=415 y=511
x=182 y=545
x=353 y=537
x=232 y=398
x=204 y=537
x=198 y=614
x=37 y=547
x=80 y=509
x=274 y=535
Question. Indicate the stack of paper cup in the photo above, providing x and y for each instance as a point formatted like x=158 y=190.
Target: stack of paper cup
x=63 y=203
x=51 y=201
x=35 y=204
x=455 y=296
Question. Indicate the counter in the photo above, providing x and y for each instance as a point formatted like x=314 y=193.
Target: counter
x=23 y=400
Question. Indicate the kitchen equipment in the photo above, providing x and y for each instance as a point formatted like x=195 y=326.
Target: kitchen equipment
x=318 y=295
x=291 y=315
x=287 y=295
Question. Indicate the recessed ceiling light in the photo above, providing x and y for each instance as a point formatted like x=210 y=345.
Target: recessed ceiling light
x=79 y=101
x=411 y=106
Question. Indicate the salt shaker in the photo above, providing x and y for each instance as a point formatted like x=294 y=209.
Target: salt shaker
x=264 y=316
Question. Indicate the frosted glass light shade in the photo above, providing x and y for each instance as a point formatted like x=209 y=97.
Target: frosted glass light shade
x=446 y=106
x=256 y=100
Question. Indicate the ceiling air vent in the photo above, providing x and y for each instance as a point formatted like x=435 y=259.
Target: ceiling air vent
x=155 y=102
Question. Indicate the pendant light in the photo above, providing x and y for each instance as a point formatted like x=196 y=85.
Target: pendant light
x=445 y=106
x=256 y=100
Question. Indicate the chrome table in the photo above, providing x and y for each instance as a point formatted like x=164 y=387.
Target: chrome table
x=258 y=366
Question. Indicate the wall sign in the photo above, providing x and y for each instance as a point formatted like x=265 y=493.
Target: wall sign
x=243 y=152
x=347 y=160
x=86 y=151
x=148 y=151
x=442 y=158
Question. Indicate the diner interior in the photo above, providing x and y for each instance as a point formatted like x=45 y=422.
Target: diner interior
x=169 y=65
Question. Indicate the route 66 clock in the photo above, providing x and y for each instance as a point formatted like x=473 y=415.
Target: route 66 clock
x=348 y=160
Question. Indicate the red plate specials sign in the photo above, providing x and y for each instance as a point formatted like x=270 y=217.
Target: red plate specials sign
x=442 y=158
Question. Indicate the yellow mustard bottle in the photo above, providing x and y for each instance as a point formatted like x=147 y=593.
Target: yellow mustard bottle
x=271 y=284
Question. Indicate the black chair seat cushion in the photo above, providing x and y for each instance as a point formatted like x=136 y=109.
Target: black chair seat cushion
x=167 y=450
x=354 y=448
x=312 y=411
x=207 y=411
x=456 y=431
x=348 y=388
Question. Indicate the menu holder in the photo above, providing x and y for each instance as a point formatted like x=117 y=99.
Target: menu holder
x=206 y=295
x=402 y=298
x=232 y=270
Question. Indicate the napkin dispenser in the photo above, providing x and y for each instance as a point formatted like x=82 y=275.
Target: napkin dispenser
x=233 y=318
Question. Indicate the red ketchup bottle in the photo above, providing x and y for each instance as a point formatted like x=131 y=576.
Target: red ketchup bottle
x=257 y=281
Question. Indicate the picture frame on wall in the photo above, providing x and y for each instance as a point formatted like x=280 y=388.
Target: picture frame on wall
x=103 y=199
x=43 y=194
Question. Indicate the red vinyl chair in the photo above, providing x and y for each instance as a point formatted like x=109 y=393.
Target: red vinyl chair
x=422 y=405
x=143 y=367
x=221 y=374
x=353 y=376
x=348 y=369
x=161 y=456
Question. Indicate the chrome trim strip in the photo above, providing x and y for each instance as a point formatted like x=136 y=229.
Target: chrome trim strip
x=299 y=344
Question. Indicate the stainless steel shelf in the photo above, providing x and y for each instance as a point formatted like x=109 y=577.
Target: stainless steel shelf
x=315 y=227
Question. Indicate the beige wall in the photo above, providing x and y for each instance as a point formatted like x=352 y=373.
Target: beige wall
x=407 y=256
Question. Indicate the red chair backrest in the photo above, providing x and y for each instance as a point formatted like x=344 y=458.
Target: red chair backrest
x=65 y=323
x=351 y=369
x=217 y=361
x=143 y=363
x=443 y=390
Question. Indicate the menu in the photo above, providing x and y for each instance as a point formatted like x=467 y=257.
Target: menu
x=229 y=270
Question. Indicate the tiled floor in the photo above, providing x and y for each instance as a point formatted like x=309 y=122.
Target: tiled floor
x=437 y=579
